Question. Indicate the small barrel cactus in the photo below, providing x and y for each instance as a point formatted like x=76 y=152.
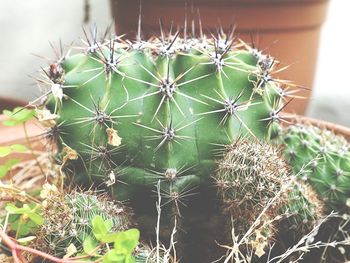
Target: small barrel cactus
x=67 y=220
x=255 y=183
x=303 y=208
x=250 y=175
x=327 y=158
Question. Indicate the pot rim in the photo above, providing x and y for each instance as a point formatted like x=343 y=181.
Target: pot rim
x=336 y=128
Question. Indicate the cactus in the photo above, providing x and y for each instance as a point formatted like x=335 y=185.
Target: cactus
x=67 y=220
x=304 y=209
x=254 y=182
x=127 y=114
x=249 y=176
x=327 y=157
x=135 y=113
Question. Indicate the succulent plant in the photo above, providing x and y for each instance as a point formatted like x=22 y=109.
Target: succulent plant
x=255 y=183
x=250 y=175
x=133 y=113
x=128 y=114
x=68 y=220
x=303 y=209
x=327 y=160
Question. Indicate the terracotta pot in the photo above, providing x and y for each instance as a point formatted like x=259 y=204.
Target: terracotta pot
x=16 y=134
x=288 y=29
x=10 y=103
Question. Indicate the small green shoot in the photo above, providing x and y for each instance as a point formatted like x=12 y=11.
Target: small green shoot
x=17 y=116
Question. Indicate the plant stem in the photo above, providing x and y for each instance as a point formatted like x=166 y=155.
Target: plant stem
x=16 y=249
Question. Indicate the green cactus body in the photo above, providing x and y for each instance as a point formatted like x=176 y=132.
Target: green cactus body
x=159 y=111
x=303 y=209
x=327 y=158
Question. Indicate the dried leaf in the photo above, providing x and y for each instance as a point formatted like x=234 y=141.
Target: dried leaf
x=46 y=118
x=48 y=190
x=57 y=91
x=259 y=251
x=69 y=154
x=259 y=244
x=113 y=137
x=71 y=250
x=111 y=179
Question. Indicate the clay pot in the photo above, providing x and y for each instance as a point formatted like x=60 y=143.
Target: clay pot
x=288 y=29
x=10 y=103
x=337 y=129
x=10 y=135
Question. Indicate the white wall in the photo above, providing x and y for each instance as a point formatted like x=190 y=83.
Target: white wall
x=331 y=97
x=27 y=25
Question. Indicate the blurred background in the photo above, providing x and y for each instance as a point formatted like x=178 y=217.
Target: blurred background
x=26 y=27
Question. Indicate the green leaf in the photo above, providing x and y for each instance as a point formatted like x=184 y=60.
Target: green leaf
x=98 y=227
x=113 y=256
x=7 y=150
x=6 y=167
x=126 y=241
x=89 y=245
x=26 y=240
x=109 y=238
x=19 y=148
x=28 y=210
x=17 y=116
x=36 y=218
x=109 y=224
x=13 y=209
x=21 y=227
